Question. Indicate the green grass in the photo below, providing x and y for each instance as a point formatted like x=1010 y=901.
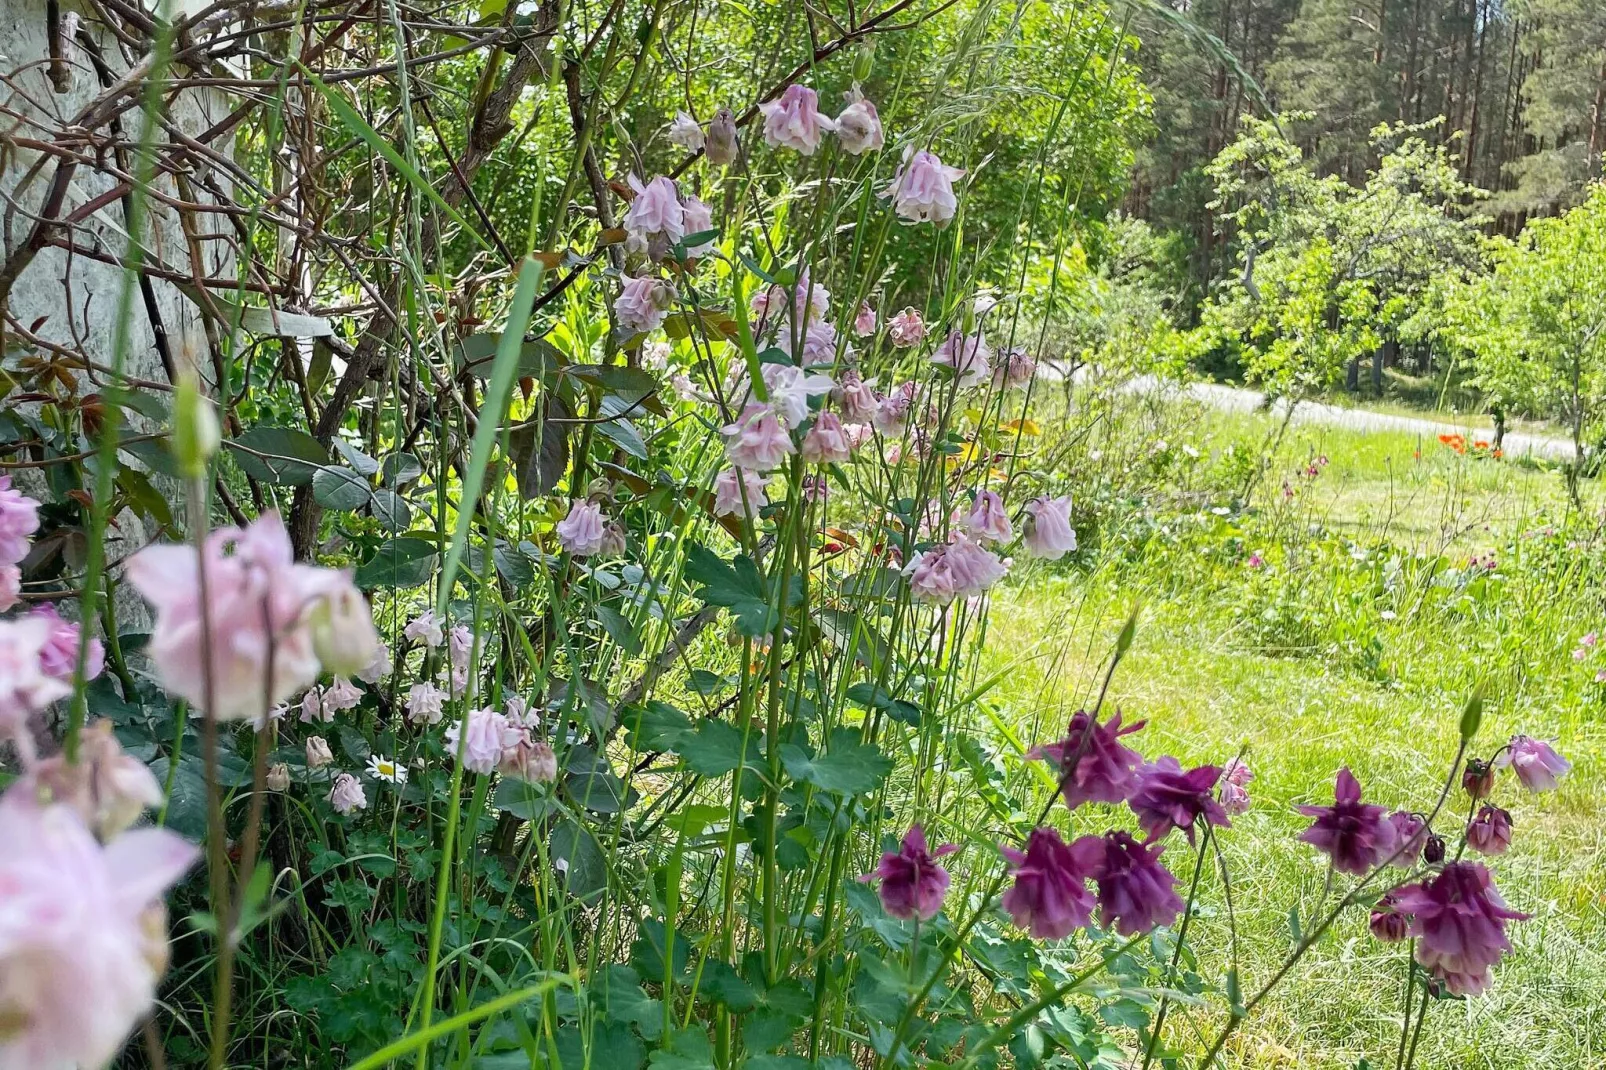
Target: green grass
x=1300 y=664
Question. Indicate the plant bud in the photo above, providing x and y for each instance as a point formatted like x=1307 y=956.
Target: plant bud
x=1477 y=779
x=278 y=777
x=195 y=428
x=1433 y=852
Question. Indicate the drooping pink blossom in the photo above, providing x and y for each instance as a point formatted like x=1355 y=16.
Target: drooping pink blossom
x=906 y=328
x=25 y=688
x=1459 y=921
x=1534 y=761
x=425 y=703
x=1092 y=762
x=346 y=794
x=426 y=627
x=758 y=440
x=343 y=634
x=790 y=389
x=795 y=120
x=581 y=532
x=816 y=345
x=729 y=487
x=10 y=586
x=826 y=442
x=1047 y=528
x=1135 y=892
x=528 y=758
x=974 y=568
x=83 y=933
x=261 y=609
x=1234 y=793
x=1386 y=921
x=809 y=302
x=931 y=577
x=59 y=656
x=864 y=320
x=643 y=303
x=1015 y=368
x=1355 y=835
x=892 y=412
x=988 y=520
x=1410 y=837
x=655 y=212
x=685 y=132
x=1049 y=898
x=858 y=126
x=19 y=519
x=106 y=787
x=922 y=190
x=1167 y=797
x=699 y=219
x=278 y=778
x=483 y=741
x=912 y=885
x=1489 y=833
x=318 y=752
x=378 y=667
x=857 y=398
x=968 y=355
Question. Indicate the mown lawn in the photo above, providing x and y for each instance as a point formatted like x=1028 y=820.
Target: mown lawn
x=1357 y=642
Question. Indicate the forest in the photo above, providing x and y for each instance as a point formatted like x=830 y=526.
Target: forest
x=826 y=535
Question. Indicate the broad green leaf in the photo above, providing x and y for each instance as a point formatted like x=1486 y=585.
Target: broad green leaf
x=279 y=455
x=846 y=766
x=340 y=489
x=401 y=562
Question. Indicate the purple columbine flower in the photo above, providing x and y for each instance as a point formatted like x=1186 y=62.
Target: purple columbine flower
x=1102 y=769
x=1355 y=835
x=912 y=883
x=1477 y=779
x=1460 y=925
x=1411 y=832
x=1136 y=893
x=1490 y=832
x=1167 y=798
x=1535 y=762
x=1387 y=923
x=1049 y=899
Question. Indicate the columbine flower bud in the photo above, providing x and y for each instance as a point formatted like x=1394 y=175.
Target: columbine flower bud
x=720 y=145
x=1433 y=851
x=318 y=752
x=278 y=777
x=343 y=634
x=1477 y=779
x=195 y=428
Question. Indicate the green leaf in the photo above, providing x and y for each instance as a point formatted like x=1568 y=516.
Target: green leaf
x=658 y=726
x=622 y=433
x=875 y=698
x=525 y=801
x=279 y=455
x=399 y=469
x=340 y=489
x=402 y=562
x=846 y=767
x=715 y=749
x=541 y=459
x=738 y=587
x=619 y=629
x=609 y=1045
x=391 y=510
x=587 y=868
x=687 y=1049
x=360 y=462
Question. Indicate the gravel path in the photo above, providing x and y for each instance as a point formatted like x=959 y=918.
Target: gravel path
x=1237 y=399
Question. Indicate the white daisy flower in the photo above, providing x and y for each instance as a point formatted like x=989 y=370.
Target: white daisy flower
x=382 y=768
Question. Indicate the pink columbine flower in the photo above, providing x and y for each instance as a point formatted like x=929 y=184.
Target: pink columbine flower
x=486 y=736
x=528 y=759
x=809 y=301
x=1047 y=528
x=25 y=688
x=729 y=487
x=968 y=355
x=826 y=442
x=1534 y=761
x=1490 y=832
x=19 y=519
x=817 y=345
x=318 y=752
x=426 y=627
x=858 y=127
x=1050 y=898
x=864 y=320
x=988 y=520
x=857 y=398
x=1477 y=778
x=425 y=702
x=906 y=329
x=278 y=778
x=685 y=132
x=83 y=935
x=1355 y=835
x=892 y=412
x=59 y=656
x=1410 y=837
x=106 y=787
x=795 y=120
x=581 y=532
x=655 y=212
x=913 y=885
x=613 y=540
x=1460 y=925
x=264 y=609
x=378 y=666
x=974 y=569
x=1136 y=893
x=758 y=440
x=790 y=389
x=1386 y=922
x=1015 y=368
x=347 y=795
x=1093 y=764
x=1166 y=797
x=10 y=586
x=721 y=146
x=699 y=219
x=643 y=303
x=1235 y=778
x=923 y=188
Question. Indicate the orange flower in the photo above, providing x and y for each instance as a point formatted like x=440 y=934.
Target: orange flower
x=1455 y=442
x=1480 y=444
